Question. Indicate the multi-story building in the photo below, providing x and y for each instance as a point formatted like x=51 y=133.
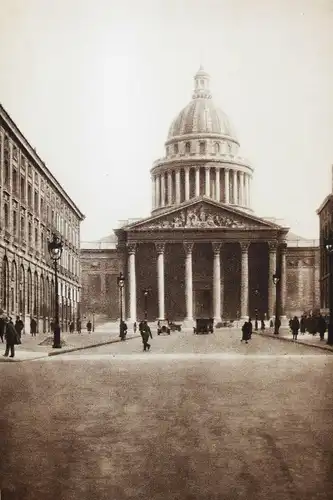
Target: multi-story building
x=33 y=205
x=325 y=212
x=202 y=252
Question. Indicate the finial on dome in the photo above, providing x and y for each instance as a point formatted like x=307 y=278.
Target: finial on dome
x=201 y=85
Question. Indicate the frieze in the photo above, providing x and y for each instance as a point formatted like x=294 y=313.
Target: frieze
x=195 y=218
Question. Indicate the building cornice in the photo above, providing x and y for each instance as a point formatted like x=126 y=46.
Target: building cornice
x=324 y=203
x=179 y=161
x=13 y=128
x=206 y=135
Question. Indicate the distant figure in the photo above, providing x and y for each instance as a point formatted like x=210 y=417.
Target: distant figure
x=71 y=327
x=19 y=326
x=321 y=326
x=89 y=325
x=145 y=334
x=271 y=324
x=123 y=330
x=134 y=327
x=2 y=327
x=33 y=327
x=78 y=325
x=277 y=324
x=246 y=331
x=295 y=327
x=11 y=338
x=262 y=326
x=303 y=324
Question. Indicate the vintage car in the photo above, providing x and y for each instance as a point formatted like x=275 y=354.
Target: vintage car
x=174 y=327
x=204 y=325
x=163 y=327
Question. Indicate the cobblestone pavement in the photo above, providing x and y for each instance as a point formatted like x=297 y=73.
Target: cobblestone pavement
x=253 y=423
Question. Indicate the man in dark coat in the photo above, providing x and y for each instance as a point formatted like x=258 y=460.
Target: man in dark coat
x=19 y=326
x=2 y=327
x=294 y=327
x=33 y=327
x=246 y=331
x=145 y=334
x=123 y=330
x=11 y=338
x=321 y=326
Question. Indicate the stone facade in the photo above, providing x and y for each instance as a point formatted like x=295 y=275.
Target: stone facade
x=33 y=206
x=325 y=213
x=202 y=252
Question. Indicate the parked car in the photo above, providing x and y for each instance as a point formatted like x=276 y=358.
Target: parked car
x=163 y=327
x=204 y=325
x=174 y=327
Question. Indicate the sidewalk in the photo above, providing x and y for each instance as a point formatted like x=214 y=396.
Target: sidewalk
x=306 y=339
x=31 y=347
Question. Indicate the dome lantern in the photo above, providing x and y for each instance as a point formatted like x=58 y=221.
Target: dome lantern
x=201 y=85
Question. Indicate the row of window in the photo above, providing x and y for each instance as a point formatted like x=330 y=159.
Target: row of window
x=68 y=261
x=202 y=148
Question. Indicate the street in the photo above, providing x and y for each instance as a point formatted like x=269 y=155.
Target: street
x=197 y=417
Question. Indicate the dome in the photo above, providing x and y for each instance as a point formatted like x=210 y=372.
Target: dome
x=201 y=115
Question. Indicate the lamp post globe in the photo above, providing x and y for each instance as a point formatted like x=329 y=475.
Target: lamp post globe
x=55 y=248
x=329 y=249
x=146 y=292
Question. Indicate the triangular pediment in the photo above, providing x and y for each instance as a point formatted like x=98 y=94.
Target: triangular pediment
x=202 y=214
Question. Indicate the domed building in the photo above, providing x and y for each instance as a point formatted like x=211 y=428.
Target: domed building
x=202 y=252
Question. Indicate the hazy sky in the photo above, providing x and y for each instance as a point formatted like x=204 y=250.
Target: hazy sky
x=94 y=86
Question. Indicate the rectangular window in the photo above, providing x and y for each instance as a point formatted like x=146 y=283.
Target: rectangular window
x=22 y=229
x=36 y=238
x=42 y=208
x=42 y=242
x=14 y=223
x=15 y=182
x=22 y=182
x=36 y=202
x=30 y=195
x=15 y=153
x=30 y=233
x=6 y=172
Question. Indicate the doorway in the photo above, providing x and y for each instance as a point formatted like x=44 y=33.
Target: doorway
x=203 y=303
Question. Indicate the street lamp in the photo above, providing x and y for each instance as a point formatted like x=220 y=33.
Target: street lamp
x=256 y=294
x=55 y=247
x=121 y=284
x=329 y=249
x=146 y=292
x=276 y=280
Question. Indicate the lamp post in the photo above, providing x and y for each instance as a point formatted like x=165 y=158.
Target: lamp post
x=329 y=250
x=276 y=280
x=121 y=283
x=146 y=292
x=55 y=247
x=256 y=294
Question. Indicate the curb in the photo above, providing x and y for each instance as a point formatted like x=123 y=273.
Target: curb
x=324 y=347
x=99 y=344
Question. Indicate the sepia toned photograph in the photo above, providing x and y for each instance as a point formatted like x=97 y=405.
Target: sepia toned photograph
x=166 y=249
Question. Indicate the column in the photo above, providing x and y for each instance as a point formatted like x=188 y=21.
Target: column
x=169 y=188
x=162 y=189
x=160 y=247
x=241 y=191
x=226 y=185
x=235 y=188
x=283 y=279
x=197 y=181
x=153 y=193
x=177 y=187
x=187 y=183
x=217 y=184
x=300 y=284
x=217 y=282
x=271 y=270
x=207 y=182
x=188 y=246
x=132 y=281
x=249 y=182
x=244 y=279
x=157 y=180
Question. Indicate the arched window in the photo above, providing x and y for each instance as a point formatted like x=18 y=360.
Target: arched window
x=35 y=306
x=29 y=291
x=14 y=288
x=216 y=147
x=5 y=284
x=202 y=147
x=42 y=297
x=188 y=147
x=22 y=291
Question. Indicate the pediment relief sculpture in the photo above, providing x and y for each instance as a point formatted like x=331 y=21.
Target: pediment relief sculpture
x=197 y=217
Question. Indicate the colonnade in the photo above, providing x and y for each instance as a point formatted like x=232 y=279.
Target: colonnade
x=217 y=280
x=221 y=184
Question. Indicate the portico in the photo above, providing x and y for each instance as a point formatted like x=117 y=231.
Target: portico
x=202 y=260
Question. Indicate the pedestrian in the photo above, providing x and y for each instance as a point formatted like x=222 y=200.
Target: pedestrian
x=89 y=325
x=262 y=326
x=134 y=327
x=123 y=330
x=250 y=328
x=246 y=331
x=271 y=324
x=145 y=334
x=19 y=326
x=78 y=325
x=71 y=327
x=11 y=338
x=33 y=327
x=2 y=327
x=321 y=326
x=302 y=324
x=295 y=327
